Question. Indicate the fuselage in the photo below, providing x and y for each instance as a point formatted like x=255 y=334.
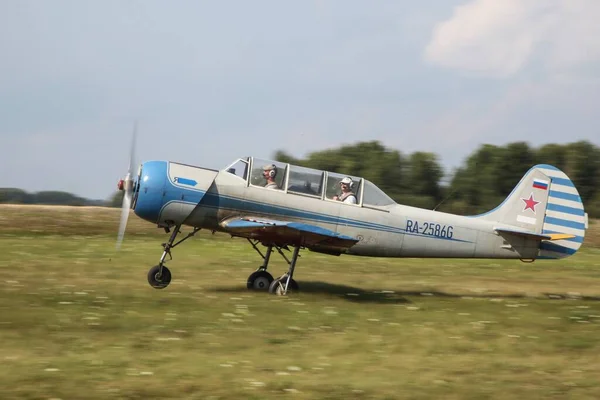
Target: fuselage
x=169 y=194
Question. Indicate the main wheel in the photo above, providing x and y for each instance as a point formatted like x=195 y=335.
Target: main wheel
x=278 y=286
x=159 y=281
x=259 y=280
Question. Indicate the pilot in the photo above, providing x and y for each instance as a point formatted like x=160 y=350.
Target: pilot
x=347 y=195
x=269 y=173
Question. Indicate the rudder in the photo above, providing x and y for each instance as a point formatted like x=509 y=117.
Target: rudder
x=564 y=214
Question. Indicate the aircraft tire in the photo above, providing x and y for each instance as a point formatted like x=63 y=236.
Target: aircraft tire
x=278 y=284
x=164 y=280
x=259 y=280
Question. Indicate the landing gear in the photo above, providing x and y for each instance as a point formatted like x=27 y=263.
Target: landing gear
x=259 y=280
x=159 y=279
x=286 y=282
x=159 y=276
x=278 y=286
x=262 y=280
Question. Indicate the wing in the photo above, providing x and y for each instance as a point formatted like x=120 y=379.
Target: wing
x=283 y=233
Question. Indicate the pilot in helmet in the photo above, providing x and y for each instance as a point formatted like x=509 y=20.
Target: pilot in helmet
x=269 y=173
x=347 y=195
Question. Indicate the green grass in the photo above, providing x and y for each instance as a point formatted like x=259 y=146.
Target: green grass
x=79 y=321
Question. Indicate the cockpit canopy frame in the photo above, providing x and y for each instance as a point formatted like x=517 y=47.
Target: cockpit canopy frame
x=303 y=181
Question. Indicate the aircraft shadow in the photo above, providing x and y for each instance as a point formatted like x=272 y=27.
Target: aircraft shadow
x=345 y=292
x=353 y=294
x=358 y=295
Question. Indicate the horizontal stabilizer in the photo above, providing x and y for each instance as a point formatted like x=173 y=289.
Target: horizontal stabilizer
x=530 y=235
x=536 y=236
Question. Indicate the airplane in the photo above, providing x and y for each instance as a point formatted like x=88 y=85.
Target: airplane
x=279 y=205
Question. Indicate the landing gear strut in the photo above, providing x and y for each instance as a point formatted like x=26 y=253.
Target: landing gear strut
x=285 y=282
x=159 y=276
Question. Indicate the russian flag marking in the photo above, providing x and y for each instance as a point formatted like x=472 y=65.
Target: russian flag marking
x=540 y=184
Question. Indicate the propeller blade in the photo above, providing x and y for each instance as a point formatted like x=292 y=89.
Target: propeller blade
x=126 y=205
x=132 y=150
x=128 y=188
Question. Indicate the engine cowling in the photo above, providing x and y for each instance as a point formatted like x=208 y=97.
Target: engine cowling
x=166 y=192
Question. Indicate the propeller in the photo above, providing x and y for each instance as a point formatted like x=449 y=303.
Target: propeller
x=127 y=186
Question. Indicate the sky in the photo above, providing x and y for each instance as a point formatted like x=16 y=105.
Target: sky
x=208 y=82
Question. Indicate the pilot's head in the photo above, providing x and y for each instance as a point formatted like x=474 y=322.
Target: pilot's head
x=270 y=171
x=346 y=183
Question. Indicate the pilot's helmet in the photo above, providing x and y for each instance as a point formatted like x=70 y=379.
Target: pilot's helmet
x=348 y=181
x=271 y=169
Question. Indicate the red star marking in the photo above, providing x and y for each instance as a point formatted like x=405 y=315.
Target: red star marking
x=530 y=203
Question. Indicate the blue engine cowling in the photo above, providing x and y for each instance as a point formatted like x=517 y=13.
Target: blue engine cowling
x=166 y=193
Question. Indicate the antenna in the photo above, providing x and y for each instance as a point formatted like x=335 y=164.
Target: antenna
x=454 y=191
x=447 y=197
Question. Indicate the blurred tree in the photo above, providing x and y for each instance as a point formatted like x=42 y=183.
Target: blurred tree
x=583 y=167
x=116 y=200
x=14 y=196
x=592 y=207
x=552 y=154
x=58 y=198
x=284 y=157
x=477 y=182
x=424 y=175
x=512 y=162
x=490 y=174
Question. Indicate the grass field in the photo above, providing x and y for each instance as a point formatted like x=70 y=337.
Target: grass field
x=79 y=321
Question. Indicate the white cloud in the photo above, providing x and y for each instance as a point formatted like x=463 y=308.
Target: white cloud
x=500 y=38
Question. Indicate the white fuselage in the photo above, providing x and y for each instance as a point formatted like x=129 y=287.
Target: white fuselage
x=388 y=231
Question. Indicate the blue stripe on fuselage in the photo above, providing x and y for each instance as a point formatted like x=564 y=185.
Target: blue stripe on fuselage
x=212 y=200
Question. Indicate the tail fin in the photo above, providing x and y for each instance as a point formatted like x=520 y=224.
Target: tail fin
x=545 y=202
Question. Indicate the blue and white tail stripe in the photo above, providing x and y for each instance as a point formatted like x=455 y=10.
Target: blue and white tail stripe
x=566 y=211
x=564 y=214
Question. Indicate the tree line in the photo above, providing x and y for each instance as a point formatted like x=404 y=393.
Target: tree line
x=49 y=197
x=482 y=182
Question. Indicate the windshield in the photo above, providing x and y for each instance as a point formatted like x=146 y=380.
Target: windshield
x=238 y=168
